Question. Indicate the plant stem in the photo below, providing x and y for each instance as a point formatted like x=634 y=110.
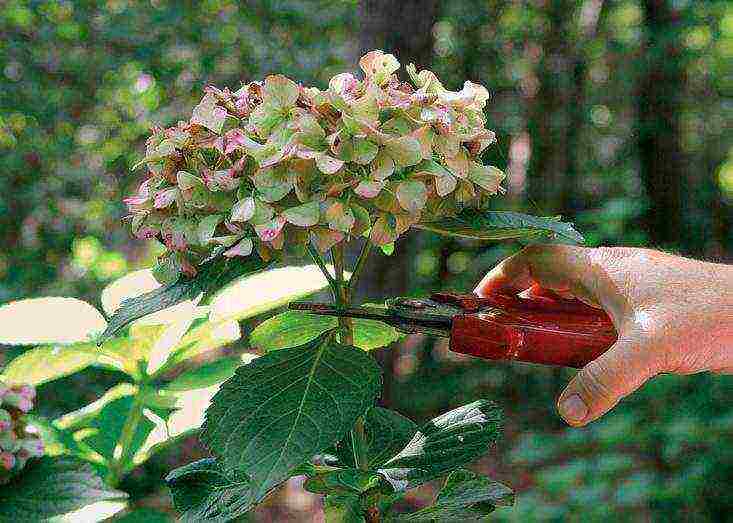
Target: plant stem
x=117 y=466
x=347 y=326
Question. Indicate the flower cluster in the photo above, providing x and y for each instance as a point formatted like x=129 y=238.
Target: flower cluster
x=17 y=445
x=276 y=163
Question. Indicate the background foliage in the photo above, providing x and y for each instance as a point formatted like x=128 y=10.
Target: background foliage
x=615 y=114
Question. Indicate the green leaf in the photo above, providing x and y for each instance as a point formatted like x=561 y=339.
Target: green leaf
x=202 y=491
x=51 y=487
x=343 y=507
x=293 y=328
x=447 y=442
x=42 y=364
x=212 y=275
x=504 y=225
x=465 y=496
x=287 y=406
x=53 y=320
x=204 y=376
x=387 y=432
x=343 y=479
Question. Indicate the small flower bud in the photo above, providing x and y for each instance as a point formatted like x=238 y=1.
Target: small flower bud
x=31 y=448
x=15 y=399
x=7 y=461
x=27 y=391
x=9 y=442
x=6 y=422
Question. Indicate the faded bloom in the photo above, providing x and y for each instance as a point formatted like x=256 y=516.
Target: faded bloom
x=17 y=445
x=276 y=164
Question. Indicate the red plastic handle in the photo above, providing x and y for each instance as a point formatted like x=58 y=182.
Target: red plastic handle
x=542 y=328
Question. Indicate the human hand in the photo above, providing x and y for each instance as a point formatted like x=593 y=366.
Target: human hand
x=672 y=315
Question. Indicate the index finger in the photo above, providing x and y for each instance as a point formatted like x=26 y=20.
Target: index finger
x=560 y=268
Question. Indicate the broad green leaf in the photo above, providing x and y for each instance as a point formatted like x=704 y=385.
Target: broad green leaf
x=412 y=195
x=465 y=496
x=343 y=479
x=203 y=337
x=203 y=491
x=503 y=225
x=445 y=443
x=53 y=320
x=343 y=507
x=42 y=364
x=387 y=433
x=293 y=328
x=212 y=275
x=94 y=513
x=287 y=406
x=204 y=376
x=265 y=291
x=51 y=487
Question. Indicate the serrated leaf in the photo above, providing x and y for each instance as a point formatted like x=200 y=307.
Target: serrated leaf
x=465 y=496
x=204 y=376
x=202 y=491
x=387 y=433
x=42 y=364
x=212 y=275
x=51 y=487
x=304 y=215
x=352 y=479
x=412 y=195
x=286 y=406
x=51 y=320
x=447 y=442
x=503 y=225
x=293 y=328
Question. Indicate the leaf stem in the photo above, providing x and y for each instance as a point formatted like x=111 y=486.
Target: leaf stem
x=135 y=414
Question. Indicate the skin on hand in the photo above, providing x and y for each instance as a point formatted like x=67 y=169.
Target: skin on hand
x=672 y=315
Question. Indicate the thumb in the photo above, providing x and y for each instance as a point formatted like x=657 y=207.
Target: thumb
x=601 y=384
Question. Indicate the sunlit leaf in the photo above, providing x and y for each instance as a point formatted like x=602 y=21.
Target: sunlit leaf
x=293 y=328
x=42 y=364
x=38 y=321
x=204 y=375
x=265 y=291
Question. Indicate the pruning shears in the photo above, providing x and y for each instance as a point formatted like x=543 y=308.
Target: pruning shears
x=540 y=328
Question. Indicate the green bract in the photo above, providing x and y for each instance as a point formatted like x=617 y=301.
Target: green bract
x=277 y=164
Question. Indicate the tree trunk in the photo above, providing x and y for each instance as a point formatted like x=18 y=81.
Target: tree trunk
x=661 y=159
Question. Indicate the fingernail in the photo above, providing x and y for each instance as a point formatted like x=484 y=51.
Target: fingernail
x=573 y=409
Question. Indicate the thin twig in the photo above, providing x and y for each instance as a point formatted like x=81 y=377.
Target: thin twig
x=322 y=265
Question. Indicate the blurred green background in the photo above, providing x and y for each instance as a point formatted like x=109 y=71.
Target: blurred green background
x=614 y=114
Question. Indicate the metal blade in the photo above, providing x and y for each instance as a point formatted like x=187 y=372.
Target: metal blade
x=350 y=312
